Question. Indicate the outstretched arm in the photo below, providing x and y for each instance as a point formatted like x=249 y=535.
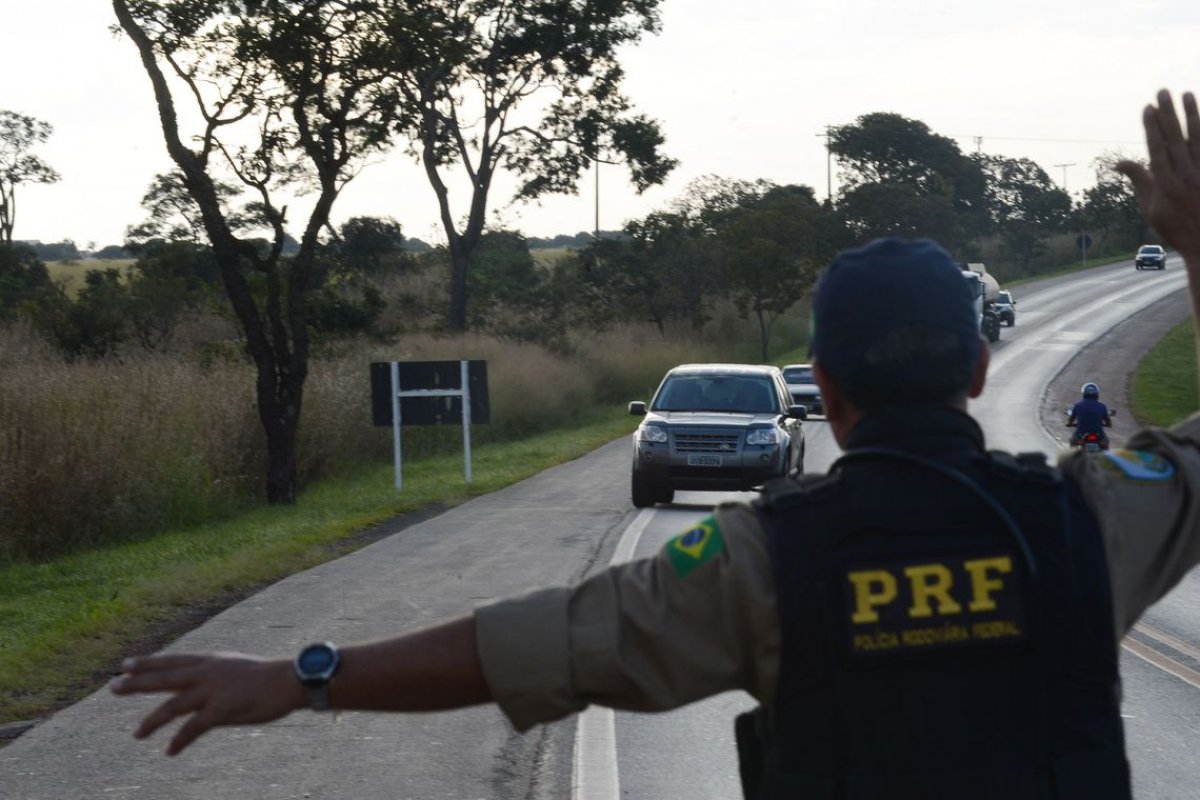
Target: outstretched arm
x=429 y=670
x=1169 y=191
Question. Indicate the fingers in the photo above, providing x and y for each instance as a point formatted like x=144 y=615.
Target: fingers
x=1142 y=180
x=145 y=664
x=189 y=732
x=1155 y=141
x=177 y=706
x=1172 y=134
x=1193 y=125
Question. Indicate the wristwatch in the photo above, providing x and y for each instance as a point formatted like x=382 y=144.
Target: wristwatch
x=315 y=665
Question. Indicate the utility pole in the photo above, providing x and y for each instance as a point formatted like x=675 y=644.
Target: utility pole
x=1064 y=169
x=596 y=228
x=978 y=143
x=828 y=164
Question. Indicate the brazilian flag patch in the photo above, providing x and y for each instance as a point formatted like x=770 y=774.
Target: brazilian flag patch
x=695 y=546
x=1138 y=465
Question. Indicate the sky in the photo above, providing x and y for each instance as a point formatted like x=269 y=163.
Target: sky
x=741 y=89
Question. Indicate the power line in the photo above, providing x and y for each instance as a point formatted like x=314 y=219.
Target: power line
x=979 y=139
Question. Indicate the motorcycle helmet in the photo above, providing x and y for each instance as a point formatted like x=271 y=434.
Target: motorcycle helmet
x=1090 y=391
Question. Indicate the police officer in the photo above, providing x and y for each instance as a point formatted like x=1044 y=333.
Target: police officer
x=928 y=620
x=1089 y=415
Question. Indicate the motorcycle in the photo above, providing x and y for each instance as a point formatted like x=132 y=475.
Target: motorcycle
x=1091 y=442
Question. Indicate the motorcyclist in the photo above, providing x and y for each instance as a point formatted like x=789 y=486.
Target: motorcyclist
x=1089 y=415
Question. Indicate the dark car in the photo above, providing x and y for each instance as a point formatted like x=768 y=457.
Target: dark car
x=1006 y=307
x=800 y=384
x=1150 y=256
x=715 y=427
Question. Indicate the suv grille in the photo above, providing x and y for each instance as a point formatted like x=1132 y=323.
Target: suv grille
x=707 y=442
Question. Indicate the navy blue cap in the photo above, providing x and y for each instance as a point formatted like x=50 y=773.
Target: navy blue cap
x=888 y=285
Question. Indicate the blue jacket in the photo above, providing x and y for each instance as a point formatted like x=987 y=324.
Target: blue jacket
x=1089 y=416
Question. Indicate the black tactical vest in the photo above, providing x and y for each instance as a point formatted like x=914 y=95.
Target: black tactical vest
x=946 y=633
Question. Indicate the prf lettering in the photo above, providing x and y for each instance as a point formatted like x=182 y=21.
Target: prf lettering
x=928 y=587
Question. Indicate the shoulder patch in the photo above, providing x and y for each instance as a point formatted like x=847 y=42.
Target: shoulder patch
x=700 y=543
x=1138 y=465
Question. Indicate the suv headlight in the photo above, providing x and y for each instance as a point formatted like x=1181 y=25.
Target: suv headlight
x=652 y=433
x=762 y=436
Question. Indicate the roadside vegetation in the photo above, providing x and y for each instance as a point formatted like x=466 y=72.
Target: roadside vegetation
x=130 y=484
x=69 y=620
x=1164 y=389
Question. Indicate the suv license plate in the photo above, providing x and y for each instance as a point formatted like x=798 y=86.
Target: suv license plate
x=704 y=461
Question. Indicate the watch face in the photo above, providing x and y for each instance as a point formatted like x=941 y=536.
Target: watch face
x=316 y=659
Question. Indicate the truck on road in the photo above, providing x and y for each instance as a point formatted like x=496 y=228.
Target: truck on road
x=985 y=290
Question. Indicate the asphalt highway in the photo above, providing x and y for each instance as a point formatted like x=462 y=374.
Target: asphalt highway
x=559 y=527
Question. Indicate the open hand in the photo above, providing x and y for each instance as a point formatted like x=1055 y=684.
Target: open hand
x=1169 y=191
x=214 y=689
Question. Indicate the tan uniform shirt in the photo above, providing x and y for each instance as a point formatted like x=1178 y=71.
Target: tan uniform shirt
x=649 y=635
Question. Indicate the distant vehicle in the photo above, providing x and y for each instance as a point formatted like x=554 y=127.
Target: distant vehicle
x=1006 y=307
x=1150 y=256
x=715 y=427
x=800 y=384
x=984 y=289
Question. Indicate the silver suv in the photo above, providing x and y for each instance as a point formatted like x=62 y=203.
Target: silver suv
x=715 y=427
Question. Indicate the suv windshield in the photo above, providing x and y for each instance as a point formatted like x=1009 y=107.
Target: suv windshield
x=717 y=393
x=1151 y=248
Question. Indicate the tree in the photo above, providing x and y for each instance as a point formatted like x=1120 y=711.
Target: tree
x=286 y=99
x=23 y=278
x=901 y=178
x=371 y=245
x=1110 y=208
x=92 y=325
x=771 y=249
x=471 y=69
x=1024 y=204
x=660 y=271
x=19 y=134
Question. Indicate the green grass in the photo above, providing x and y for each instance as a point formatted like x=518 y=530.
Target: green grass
x=1164 y=385
x=67 y=622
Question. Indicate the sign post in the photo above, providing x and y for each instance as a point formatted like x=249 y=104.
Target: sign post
x=1083 y=242
x=429 y=393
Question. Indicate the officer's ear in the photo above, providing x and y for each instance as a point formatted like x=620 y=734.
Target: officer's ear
x=979 y=376
x=840 y=415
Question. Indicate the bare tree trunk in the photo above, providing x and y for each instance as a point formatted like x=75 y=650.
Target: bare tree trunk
x=280 y=420
x=764 y=331
x=460 y=264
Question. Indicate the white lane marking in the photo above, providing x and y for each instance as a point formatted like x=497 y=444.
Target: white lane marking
x=595 y=772
x=1168 y=640
x=1160 y=659
x=1163 y=662
x=595 y=761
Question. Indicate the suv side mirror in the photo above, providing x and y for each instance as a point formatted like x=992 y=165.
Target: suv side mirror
x=798 y=411
x=637 y=408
